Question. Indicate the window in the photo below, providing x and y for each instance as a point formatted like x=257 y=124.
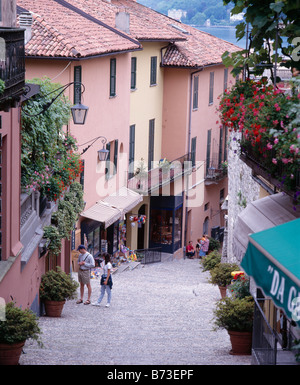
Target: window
x=225 y=78
x=195 y=92
x=112 y=87
x=151 y=143
x=193 y=151
x=208 y=145
x=112 y=159
x=133 y=74
x=77 y=87
x=153 y=72
x=131 y=150
x=211 y=87
x=220 y=147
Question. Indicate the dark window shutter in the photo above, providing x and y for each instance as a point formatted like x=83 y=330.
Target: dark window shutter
x=131 y=150
x=151 y=143
x=133 y=73
x=153 y=70
x=77 y=87
x=116 y=156
x=195 y=93
x=112 y=91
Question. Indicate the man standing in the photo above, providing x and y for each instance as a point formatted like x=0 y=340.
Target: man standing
x=85 y=262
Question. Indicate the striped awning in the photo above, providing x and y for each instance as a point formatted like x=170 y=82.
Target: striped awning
x=113 y=207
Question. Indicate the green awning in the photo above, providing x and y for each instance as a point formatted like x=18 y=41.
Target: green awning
x=273 y=260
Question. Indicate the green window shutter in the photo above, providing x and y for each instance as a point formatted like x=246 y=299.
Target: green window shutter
x=195 y=92
x=107 y=166
x=193 y=151
x=131 y=150
x=208 y=145
x=77 y=87
x=133 y=73
x=220 y=146
x=153 y=72
x=116 y=156
x=113 y=68
x=211 y=87
x=151 y=143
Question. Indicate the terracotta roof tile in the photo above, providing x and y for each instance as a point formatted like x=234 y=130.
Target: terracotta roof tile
x=60 y=31
x=65 y=30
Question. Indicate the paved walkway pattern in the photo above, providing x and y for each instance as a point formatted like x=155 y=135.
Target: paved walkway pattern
x=161 y=314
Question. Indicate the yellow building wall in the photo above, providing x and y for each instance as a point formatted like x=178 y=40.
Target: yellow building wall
x=146 y=103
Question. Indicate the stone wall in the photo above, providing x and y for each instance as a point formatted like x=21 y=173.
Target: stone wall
x=242 y=189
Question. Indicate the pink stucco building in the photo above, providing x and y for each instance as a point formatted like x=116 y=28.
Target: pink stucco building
x=151 y=85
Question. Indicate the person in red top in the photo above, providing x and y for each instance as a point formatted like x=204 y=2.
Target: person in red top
x=190 y=251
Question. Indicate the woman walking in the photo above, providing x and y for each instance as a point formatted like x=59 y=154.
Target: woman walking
x=106 y=281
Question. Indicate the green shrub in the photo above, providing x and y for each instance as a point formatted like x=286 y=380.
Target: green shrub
x=57 y=286
x=221 y=274
x=19 y=325
x=211 y=260
x=234 y=314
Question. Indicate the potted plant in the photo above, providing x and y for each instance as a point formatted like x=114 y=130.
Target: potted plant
x=214 y=244
x=17 y=326
x=211 y=260
x=236 y=316
x=220 y=275
x=240 y=285
x=56 y=287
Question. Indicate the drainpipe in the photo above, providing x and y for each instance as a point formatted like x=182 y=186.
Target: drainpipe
x=188 y=152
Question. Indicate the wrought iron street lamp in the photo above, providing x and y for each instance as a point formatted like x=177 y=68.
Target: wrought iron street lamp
x=103 y=153
x=79 y=111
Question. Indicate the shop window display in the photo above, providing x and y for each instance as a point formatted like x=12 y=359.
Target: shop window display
x=165 y=228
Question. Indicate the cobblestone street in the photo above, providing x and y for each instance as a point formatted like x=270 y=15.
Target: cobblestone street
x=161 y=314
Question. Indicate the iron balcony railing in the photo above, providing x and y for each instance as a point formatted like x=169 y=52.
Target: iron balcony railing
x=12 y=65
x=161 y=175
x=273 y=340
x=276 y=175
x=147 y=256
x=215 y=172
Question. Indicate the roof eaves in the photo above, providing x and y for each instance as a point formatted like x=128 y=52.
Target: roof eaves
x=97 y=21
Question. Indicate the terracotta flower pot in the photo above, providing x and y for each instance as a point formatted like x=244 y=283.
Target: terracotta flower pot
x=223 y=291
x=10 y=353
x=241 y=342
x=54 y=308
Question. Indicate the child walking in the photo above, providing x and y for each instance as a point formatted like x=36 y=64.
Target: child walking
x=106 y=281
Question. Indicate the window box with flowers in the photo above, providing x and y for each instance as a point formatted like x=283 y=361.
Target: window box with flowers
x=266 y=117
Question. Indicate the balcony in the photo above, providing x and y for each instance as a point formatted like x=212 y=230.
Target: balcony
x=145 y=182
x=214 y=173
x=274 y=175
x=12 y=66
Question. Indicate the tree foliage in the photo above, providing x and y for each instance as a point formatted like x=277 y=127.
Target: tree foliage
x=274 y=35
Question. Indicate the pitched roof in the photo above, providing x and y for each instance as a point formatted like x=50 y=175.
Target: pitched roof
x=83 y=28
x=60 y=32
x=200 y=49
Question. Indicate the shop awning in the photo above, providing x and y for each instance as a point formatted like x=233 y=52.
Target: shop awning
x=113 y=207
x=259 y=215
x=103 y=212
x=124 y=200
x=273 y=260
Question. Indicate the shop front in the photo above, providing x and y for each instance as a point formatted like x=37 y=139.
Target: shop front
x=166 y=223
x=103 y=228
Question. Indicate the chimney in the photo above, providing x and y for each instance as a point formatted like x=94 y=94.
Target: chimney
x=25 y=21
x=123 y=21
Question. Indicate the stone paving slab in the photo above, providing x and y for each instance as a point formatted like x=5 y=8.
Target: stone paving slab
x=161 y=314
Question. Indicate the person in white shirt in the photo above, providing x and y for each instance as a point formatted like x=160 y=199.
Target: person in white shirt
x=86 y=262
x=106 y=281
